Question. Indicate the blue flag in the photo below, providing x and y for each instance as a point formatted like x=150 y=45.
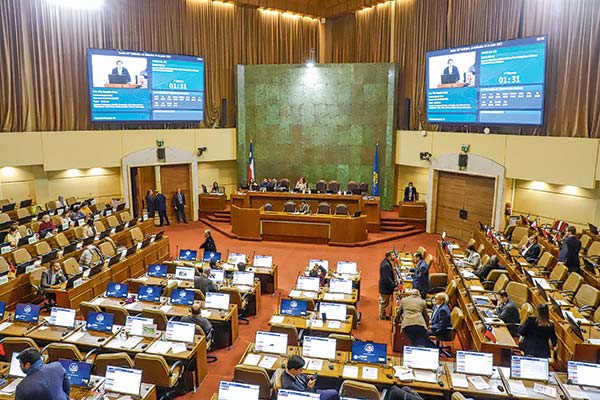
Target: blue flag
x=375 y=181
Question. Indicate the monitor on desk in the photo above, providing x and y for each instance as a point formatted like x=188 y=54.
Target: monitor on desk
x=78 y=372
x=180 y=332
x=284 y=394
x=75 y=280
x=219 y=301
x=51 y=255
x=187 y=255
x=157 y=270
x=574 y=325
x=323 y=263
x=182 y=296
x=117 y=290
x=293 y=307
x=243 y=278
x=211 y=256
x=15 y=366
x=70 y=248
x=271 y=342
x=340 y=286
x=62 y=317
x=583 y=373
x=99 y=321
x=308 y=283
x=123 y=380
x=135 y=325
x=2 y=309
x=237 y=391
x=319 y=347
x=262 y=261
x=541 y=291
x=421 y=357
x=557 y=307
x=532 y=368
x=217 y=275
x=27 y=312
x=474 y=363
x=149 y=293
x=334 y=311
x=235 y=258
x=185 y=273
x=369 y=352
x=347 y=267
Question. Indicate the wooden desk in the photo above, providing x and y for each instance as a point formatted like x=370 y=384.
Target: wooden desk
x=211 y=202
x=412 y=209
x=324 y=330
x=45 y=333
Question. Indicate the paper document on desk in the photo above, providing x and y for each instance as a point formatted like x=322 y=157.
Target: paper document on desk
x=277 y=319
x=350 y=371
x=333 y=296
x=76 y=336
x=98 y=301
x=576 y=393
x=129 y=306
x=294 y=293
x=11 y=387
x=165 y=308
x=333 y=324
x=313 y=364
x=459 y=380
x=369 y=373
x=205 y=313
x=594 y=341
x=316 y=323
x=476 y=288
x=310 y=295
x=267 y=362
x=517 y=388
x=403 y=373
x=467 y=274
x=160 y=347
x=5 y=325
x=244 y=288
x=545 y=390
x=479 y=383
x=129 y=343
x=425 y=376
x=543 y=283
x=178 y=347
x=252 y=359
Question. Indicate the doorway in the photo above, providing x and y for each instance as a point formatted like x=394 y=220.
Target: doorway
x=142 y=180
x=173 y=177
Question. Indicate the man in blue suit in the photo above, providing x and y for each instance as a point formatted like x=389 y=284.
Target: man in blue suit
x=42 y=381
x=420 y=274
x=452 y=70
x=179 y=205
x=160 y=205
x=121 y=70
x=293 y=378
x=440 y=318
x=531 y=250
x=569 y=250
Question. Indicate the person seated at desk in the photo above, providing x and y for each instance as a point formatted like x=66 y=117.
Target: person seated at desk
x=473 y=260
x=301 y=185
x=410 y=192
x=531 y=250
x=569 y=250
x=412 y=316
x=493 y=263
x=52 y=278
x=42 y=381
x=440 y=318
x=67 y=218
x=275 y=184
x=203 y=282
x=508 y=311
x=420 y=274
x=85 y=260
x=89 y=229
x=536 y=334
x=294 y=379
x=77 y=214
x=304 y=208
x=85 y=209
x=200 y=321
x=241 y=266
x=13 y=236
x=264 y=184
x=60 y=202
x=46 y=224
x=215 y=188
x=318 y=271
x=209 y=243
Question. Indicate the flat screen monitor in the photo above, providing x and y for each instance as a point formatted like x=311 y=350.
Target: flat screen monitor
x=157 y=270
x=27 y=312
x=263 y=261
x=149 y=293
x=2 y=309
x=235 y=258
x=182 y=296
x=369 y=352
x=421 y=357
x=99 y=321
x=187 y=255
x=211 y=256
x=308 y=283
x=219 y=301
x=217 y=275
x=323 y=263
x=340 y=286
x=185 y=273
x=135 y=86
x=532 y=368
x=335 y=311
x=284 y=394
x=123 y=380
x=117 y=290
x=15 y=366
x=62 y=317
x=582 y=373
x=495 y=83
x=237 y=391
x=78 y=372
x=135 y=325
x=293 y=307
x=180 y=331
x=319 y=347
x=271 y=342
x=243 y=278
x=347 y=267
x=470 y=362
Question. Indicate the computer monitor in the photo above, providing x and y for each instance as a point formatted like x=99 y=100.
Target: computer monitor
x=421 y=357
x=340 y=286
x=187 y=255
x=323 y=263
x=293 y=307
x=15 y=366
x=117 y=290
x=149 y=293
x=284 y=394
x=335 y=311
x=369 y=352
x=271 y=342
x=308 y=283
x=219 y=301
x=185 y=273
x=98 y=321
x=235 y=258
x=471 y=362
x=180 y=331
x=583 y=373
x=123 y=380
x=135 y=325
x=237 y=391
x=27 y=312
x=2 y=309
x=556 y=307
x=211 y=256
x=62 y=317
x=51 y=255
x=263 y=261
x=532 y=368
x=541 y=291
x=157 y=270
x=347 y=267
x=319 y=347
x=243 y=278
x=182 y=296
x=217 y=275
x=78 y=372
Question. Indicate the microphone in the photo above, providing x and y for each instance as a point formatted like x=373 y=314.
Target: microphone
x=177 y=251
x=279 y=301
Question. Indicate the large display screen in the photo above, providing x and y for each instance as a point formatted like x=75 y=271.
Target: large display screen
x=138 y=86
x=496 y=83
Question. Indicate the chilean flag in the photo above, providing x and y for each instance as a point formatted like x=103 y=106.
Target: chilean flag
x=251 y=165
x=489 y=333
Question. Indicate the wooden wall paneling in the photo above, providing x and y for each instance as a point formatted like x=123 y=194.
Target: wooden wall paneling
x=171 y=178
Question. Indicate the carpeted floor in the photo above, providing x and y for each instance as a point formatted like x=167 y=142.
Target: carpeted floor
x=291 y=259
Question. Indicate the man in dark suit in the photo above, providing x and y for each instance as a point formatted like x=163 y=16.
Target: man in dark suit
x=569 y=251
x=410 y=192
x=179 y=205
x=160 y=205
x=121 y=70
x=508 y=311
x=52 y=278
x=493 y=263
x=440 y=318
x=420 y=274
x=452 y=70
x=387 y=283
x=531 y=251
x=150 y=203
x=203 y=282
x=294 y=379
x=42 y=381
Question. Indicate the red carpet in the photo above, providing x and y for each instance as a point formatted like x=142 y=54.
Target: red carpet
x=291 y=259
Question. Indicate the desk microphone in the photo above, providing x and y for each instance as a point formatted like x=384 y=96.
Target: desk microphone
x=177 y=250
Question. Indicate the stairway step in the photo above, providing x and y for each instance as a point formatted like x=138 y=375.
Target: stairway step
x=397 y=228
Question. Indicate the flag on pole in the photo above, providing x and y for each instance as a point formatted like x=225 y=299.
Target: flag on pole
x=251 y=165
x=375 y=182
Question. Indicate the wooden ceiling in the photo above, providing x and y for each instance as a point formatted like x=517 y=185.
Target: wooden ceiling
x=315 y=8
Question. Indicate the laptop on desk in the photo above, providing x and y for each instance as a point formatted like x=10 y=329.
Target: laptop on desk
x=123 y=380
x=238 y=391
x=474 y=363
x=448 y=79
x=51 y=255
x=118 y=79
x=370 y=352
x=593 y=228
x=529 y=368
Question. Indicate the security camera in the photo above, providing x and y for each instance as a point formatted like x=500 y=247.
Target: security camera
x=201 y=150
x=425 y=155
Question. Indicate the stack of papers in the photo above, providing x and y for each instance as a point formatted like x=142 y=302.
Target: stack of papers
x=369 y=373
x=314 y=364
x=333 y=324
x=165 y=308
x=545 y=390
x=316 y=323
x=5 y=325
x=479 y=383
x=350 y=371
x=459 y=380
x=477 y=288
x=178 y=347
x=333 y=296
x=160 y=347
x=76 y=336
x=294 y=293
x=277 y=319
x=576 y=393
x=267 y=362
x=517 y=388
x=252 y=359
x=128 y=343
x=425 y=376
x=205 y=313
x=12 y=387
x=404 y=373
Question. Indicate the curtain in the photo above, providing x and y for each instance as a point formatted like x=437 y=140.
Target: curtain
x=11 y=116
x=341 y=39
x=373 y=33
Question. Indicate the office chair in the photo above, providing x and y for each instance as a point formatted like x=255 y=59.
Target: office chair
x=594 y=249
x=268 y=207
x=456 y=318
x=137 y=236
x=321 y=186
x=112 y=221
x=56 y=351
x=492 y=278
x=35 y=278
x=518 y=292
x=352 y=187
x=70 y=266
x=125 y=216
x=86 y=307
x=323 y=208
x=112 y=359
x=158 y=316
x=99 y=225
x=235 y=297
x=21 y=255
x=571 y=285
x=17 y=344
x=558 y=275
x=107 y=248
x=586 y=300
x=341 y=209
x=333 y=187
x=342 y=342
x=156 y=371
x=289 y=207
x=359 y=390
x=363 y=188
x=120 y=314
x=61 y=240
x=254 y=375
x=518 y=233
x=290 y=330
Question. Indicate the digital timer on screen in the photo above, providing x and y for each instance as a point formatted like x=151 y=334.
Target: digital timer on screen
x=131 y=86
x=496 y=83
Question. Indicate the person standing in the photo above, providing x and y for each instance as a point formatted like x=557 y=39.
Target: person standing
x=420 y=274
x=387 y=284
x=179 y=205
x=537 y=333
x=42 y=381
x=160 y=205
x=412 y=316
x=569 y=251
x=209 y=243
x=150 y=203
x=410 y=192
